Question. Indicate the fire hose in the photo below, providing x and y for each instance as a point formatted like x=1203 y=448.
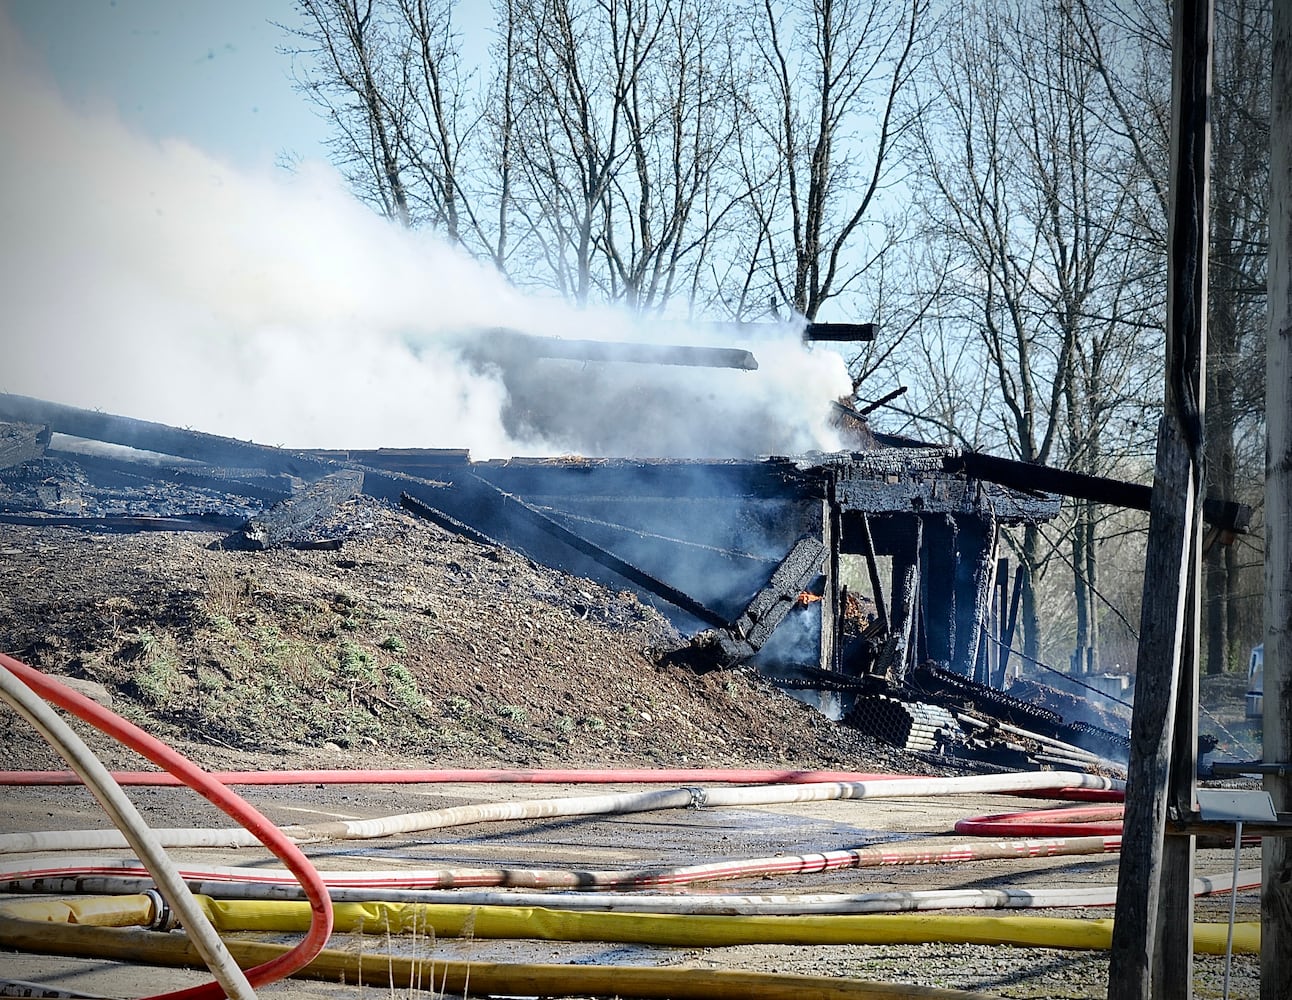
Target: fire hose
x=588 y=805
x=255 y=825
x=105 y=874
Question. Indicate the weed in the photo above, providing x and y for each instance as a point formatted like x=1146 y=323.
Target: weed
x=403 y=687
x=158 y=680
x=139 y=646
x=592 y=723
x=393 y=644
x=227 y=593
x=355 y=663
x=222 y=624
x=515 y=713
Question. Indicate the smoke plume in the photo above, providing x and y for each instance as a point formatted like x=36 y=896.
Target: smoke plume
x=150 y=279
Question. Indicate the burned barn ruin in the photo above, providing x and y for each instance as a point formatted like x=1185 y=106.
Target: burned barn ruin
x=870 y=582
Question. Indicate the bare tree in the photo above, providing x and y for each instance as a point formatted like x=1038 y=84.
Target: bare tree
x=819 y=131
x=1129 y=46
x=1237 y=305
x=1029 y=191
x=620 y=127
x=354 y=54
x=389 y=76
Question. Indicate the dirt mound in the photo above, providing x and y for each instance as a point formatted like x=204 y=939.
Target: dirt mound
x=405 y=645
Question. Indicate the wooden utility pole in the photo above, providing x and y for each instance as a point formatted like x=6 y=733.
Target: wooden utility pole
x=1143 y=934
x=1276 y=897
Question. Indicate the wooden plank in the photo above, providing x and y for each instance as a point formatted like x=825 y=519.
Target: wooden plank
x=1276 y=899
x=288 y=522
x=146 y=435
x=125 y=522
x=1173 y=960
x=21 y=442
x=1174 y=523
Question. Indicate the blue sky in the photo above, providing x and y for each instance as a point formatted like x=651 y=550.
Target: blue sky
x=212 y=72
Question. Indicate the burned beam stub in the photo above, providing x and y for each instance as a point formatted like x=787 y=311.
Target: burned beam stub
x=289 y=522
x=21 y=442
x=497 y=344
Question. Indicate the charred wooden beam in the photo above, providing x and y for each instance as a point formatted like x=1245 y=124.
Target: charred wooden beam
x=839 y=332
x=831 y=610
x=536 y=478
x=125 y=474
x=512 y=344
x=1224 y=514
x=872 y=568
x=288 y=521
x=974 y=579
x=446 y=521
x=146 y=435
x=923 y=482
x=882 y=401
x=411 y=461
x=21 y=442
x=125 y=522
x=744 y=637
x=895 y=659
x=939 y=590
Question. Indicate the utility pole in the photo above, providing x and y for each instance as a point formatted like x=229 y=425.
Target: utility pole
x=1152 y=937
x=1276 y=852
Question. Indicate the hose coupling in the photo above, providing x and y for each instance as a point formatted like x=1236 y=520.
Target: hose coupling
x=699 y=799
x=163 y=918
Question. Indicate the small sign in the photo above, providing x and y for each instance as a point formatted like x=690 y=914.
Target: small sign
x=1224 y=805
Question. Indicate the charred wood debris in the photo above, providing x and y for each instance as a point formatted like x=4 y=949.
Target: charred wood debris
x=743 y=555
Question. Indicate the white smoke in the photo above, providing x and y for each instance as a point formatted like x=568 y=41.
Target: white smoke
x=152 y=280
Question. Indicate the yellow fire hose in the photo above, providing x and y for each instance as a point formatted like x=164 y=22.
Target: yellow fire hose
x=678 y=930
x=466 y=978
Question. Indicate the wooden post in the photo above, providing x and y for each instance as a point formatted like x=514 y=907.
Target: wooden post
x=831 y=536
x=1174 y=522
x=904 y=606
x=1276 y=898
x=1173 y=965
